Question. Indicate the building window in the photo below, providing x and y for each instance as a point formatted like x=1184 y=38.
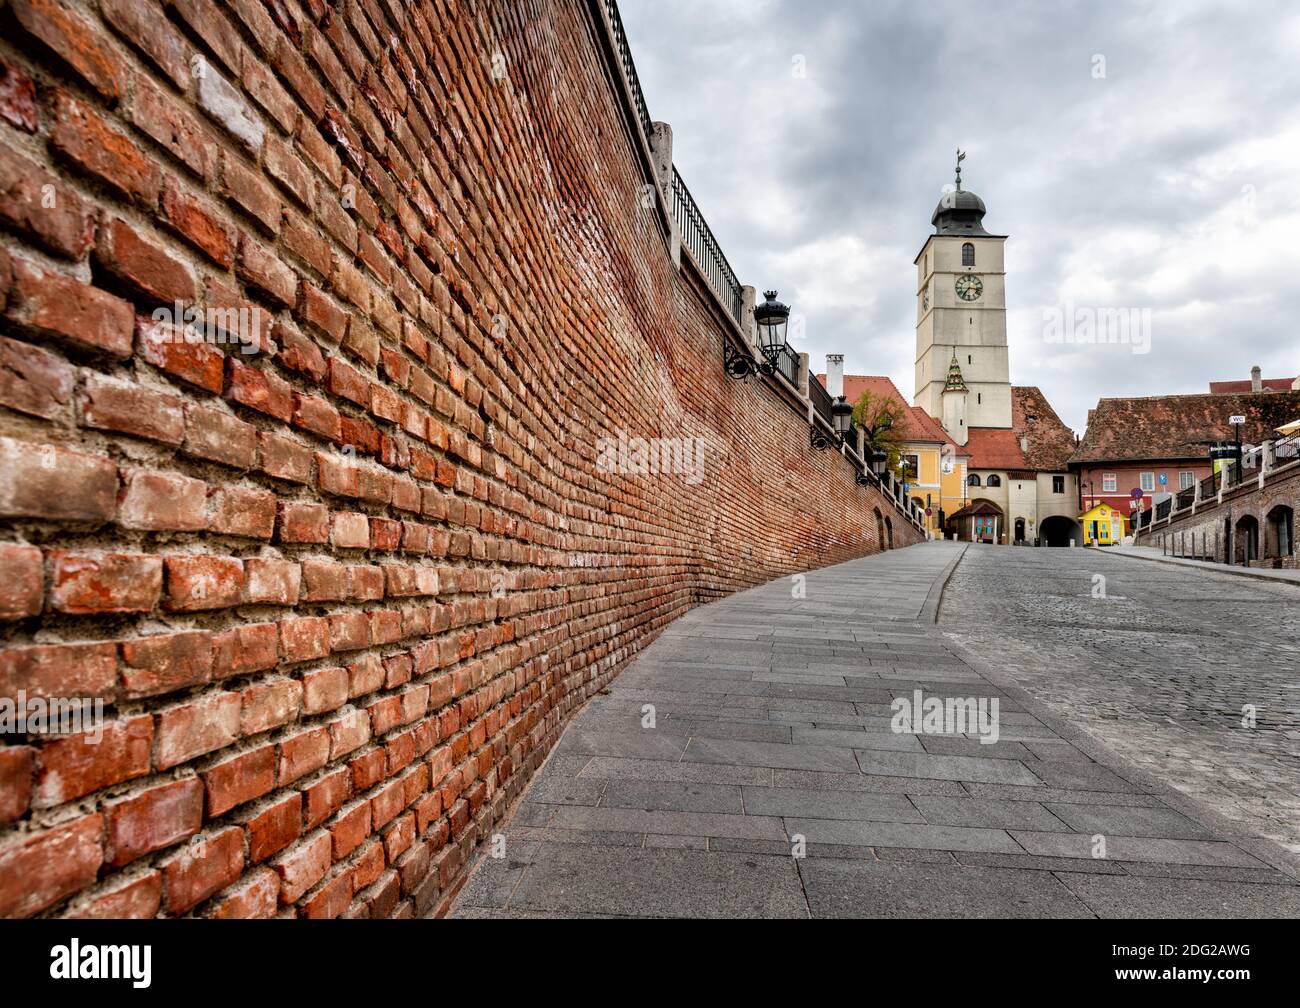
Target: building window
x=968 y=254
x=910 y=465
x=1058 y=484
x=968 y=358
x=973 y=479
x=1186 y=480
x=1147 y=481
x=979 y=397
x=1109 y=482
x=994 y=480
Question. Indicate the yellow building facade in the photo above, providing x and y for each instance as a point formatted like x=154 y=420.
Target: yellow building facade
x=1102 y=525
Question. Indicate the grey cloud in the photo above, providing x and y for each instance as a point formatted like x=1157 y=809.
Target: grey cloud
x=1134 y=179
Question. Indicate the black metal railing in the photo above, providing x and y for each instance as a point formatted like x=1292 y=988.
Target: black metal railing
x=821 y=399
x=787 y=363
x=697 y=237
x=1185 y=498
x=1210 y=485
x=624 y=53
x=1163 y=509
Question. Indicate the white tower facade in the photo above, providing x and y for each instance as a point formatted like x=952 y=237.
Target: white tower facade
x=961 y=314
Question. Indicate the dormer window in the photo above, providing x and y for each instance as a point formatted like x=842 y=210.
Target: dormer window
x=968 y=254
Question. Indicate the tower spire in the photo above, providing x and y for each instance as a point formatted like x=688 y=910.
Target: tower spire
x=961 y=156
x=955 y=382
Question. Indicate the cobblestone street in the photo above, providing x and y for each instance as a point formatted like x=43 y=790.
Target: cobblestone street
x=1160 y=668
x=746 y=763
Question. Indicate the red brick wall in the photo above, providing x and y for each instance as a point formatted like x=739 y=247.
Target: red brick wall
x=341 y=593
x=1216 y=530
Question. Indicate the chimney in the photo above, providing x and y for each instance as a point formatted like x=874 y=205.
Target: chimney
x=1256 y=385
x=835 y=374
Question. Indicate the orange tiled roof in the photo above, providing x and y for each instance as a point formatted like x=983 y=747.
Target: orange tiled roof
x=994 y=448
x=920 y=426
x=1269 y=384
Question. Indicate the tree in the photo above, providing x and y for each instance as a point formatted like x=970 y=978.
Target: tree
x=883 y=419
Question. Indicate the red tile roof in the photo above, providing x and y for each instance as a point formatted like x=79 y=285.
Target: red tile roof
x=1050 y=442
x=1237 y=387
x=920 y=427
x=1178 y=426
x=994 y=448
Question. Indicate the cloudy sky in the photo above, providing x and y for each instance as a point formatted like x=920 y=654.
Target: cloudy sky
x=1139 y=156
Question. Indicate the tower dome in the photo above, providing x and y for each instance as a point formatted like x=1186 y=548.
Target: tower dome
x=960 y=211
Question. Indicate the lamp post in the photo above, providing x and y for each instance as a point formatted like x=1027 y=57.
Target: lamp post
x=771 y=318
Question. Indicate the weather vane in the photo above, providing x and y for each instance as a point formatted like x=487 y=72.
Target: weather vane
x=961 y=156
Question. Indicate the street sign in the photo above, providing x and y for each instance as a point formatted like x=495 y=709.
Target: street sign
x=1135 y=493
x=1236 y=420
x=928 y=512
x=1163 y=479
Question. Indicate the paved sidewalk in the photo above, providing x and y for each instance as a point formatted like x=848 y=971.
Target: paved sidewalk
x=772 y=722
x=1156 y=554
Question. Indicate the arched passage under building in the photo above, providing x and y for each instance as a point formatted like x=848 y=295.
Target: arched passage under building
x=1246 y=540
x=1279 y=535
x=1058 y=530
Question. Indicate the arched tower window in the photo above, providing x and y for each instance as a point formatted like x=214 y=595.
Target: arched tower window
x=973 y=479
x=995 y=480
x=968 y=254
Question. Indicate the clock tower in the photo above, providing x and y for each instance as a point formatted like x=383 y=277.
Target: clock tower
x=961 y=314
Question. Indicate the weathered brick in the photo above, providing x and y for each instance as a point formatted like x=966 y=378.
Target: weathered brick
x=163 y=501
x=205 y=865
x=268 y=705
x=242 y=511
x=303 y=866
x=217 y=436
x=271 y=581
x=180 y=351
x=22 y=591
x=256 y=896
x=17 y=765
x=144 y=264
x=124 y=406
x=40 y=205
x=195 y=728
x=81 y=137
x=136 y=899
x=249 y=647
x=152 y=820
x=39 y=869
x=33 y=380
x=240 y=779
x=271 y=829
x=55 y=305
x=75 y=41
x=59 y=670
x=166 y=662
x=196 y=222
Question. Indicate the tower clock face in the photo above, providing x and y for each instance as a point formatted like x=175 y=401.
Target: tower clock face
x=969 y=287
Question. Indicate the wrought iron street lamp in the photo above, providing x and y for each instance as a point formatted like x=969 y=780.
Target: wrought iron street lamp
x=876 y=459
x=842 y=418
x=771 y=318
